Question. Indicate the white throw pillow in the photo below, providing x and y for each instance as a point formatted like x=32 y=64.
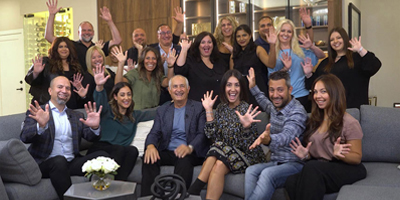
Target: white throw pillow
x=143 y=128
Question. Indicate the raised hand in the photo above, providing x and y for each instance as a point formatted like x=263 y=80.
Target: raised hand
x=99 y=75
x=307 y=67
x=105 y=14
x=99 y=43
x=37 y=113
x=228 y=46
x=306 y=41
x=119 y=54
x=179 y=18
x=163 y=57
x=93 y=117
x=305 y=16
x=77 y=81
x=286 y=60
x=271 y=35
x=264 y=138
x=38 y=65
x=339 y=150
x=138 y=46
x=131 y=65
x=251 y=78
x=207 y=101
x=52 y=7
x=248 y=118
x=172 y=55
x=298 y=149
x=185 y=45
x=356 y=44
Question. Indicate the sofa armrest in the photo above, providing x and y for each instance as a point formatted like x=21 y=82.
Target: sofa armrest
x=3 y=193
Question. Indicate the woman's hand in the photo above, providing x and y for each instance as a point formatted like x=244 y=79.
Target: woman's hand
x=207 y=101
x=307 y=67
x=99 y=75
x=131 y=65
x=172 y=55
x=355 y=45
x=248 y=118
x=38 y=65
x=119 y=54
x=185 y=44
x=251 y=77
x=228 y=46
x=306 y=41
x=298 y=149
x=340 y=150
x=286 y=60
x=77 y=83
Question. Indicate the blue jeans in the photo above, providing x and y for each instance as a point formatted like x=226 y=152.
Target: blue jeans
x=262 y=179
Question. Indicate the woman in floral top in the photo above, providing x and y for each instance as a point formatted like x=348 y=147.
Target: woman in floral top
x=232 y=131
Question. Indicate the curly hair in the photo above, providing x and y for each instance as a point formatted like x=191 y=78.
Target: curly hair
x=218 y=30
x=55 y=59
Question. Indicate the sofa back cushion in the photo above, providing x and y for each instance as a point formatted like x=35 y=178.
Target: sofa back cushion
x=16 y=163
x=381 y=134
x=354 y=112
x=10 y=126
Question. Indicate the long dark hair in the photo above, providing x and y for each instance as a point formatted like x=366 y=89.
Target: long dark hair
x=55 y=59
x=194 y=49
x=114 y=104
x=243 y=91
x=157 y=73
x=236 y=47
x=332 y=54
x=336 y=108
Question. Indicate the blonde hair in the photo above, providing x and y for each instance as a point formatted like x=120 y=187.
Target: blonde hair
x=89 y=54
x=294 y=41
x=218 y=30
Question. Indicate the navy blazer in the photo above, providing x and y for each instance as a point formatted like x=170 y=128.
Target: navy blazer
x=160 y=134
x=42 y=145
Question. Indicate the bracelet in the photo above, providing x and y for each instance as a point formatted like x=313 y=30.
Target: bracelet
x=209 y=112
x=308 y=27
x=359 y=51
x=171 y=67
x=306 y=157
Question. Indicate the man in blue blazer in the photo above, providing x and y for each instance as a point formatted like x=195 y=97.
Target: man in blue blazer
x=177 y=137
x=55 y=132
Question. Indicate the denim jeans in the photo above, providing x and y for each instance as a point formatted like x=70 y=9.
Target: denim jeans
x=262 y=179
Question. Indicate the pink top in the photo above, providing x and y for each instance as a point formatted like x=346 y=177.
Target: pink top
x=323 y=148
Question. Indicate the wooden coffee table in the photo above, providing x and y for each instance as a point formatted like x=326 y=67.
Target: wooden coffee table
x=119 y=190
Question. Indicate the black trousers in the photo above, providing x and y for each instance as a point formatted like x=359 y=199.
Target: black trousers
x=59 y=170
x=183 y=167
x=320 y=177
x=306 y=102
x=125 y=156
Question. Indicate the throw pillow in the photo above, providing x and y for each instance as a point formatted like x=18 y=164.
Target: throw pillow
x=143 y=128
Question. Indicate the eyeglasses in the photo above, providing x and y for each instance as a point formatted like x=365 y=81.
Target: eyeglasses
x=164 y=33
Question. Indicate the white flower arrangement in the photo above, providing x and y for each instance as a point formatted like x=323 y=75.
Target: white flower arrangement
x=100 y=166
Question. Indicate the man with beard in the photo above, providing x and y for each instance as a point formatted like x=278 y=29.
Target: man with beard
x=55 y=132
x=287 y=121
x=177 y=137
x=85 y=32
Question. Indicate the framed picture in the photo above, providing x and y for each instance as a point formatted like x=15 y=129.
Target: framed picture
x=354 y=21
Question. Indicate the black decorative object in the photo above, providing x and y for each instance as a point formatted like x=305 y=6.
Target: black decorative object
x=168 y=187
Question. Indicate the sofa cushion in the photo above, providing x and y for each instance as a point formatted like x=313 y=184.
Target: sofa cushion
x=381 y=174
x=357 y=192
x=17 y=164
x=381 y=134
x=11 y=126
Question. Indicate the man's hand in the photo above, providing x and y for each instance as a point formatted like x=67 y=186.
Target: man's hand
x=251 y=77
x=182 y=151
x=151 y=154
x=305 y=16
x=93 y=117
x=271 y=35
x=38 y=114
x=264 y=138
x=52 y=7
x=179 y=15
x=105 y=14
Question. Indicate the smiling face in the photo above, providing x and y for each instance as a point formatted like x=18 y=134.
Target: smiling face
x=279 y=93
x=165 y=36
x=86 y=32
x=242 y=38
x=226 y=28
x=139 y=36
x=232 y=91
x=206 y=46
x=321 y=96
x=286 y=34
x=150 y=61
x=336 y=42
x=60 y=90
x=178 y=89
x=97 y=58
x=263 y=27
x=63 y=50
x=123 y=98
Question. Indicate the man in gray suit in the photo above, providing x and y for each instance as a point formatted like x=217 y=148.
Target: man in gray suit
x=177 y=137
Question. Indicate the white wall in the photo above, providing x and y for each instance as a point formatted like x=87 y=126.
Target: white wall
x=10 y=15
x=380 y=32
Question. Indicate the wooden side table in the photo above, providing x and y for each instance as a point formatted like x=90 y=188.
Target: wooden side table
x=119 y=190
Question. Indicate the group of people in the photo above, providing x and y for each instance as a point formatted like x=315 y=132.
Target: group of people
x=209 y=93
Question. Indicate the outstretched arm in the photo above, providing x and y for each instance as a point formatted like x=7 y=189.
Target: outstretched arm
x=106 y=15
x=49 y=33
x=179 y=18
x=117 y=52
x=306 y=17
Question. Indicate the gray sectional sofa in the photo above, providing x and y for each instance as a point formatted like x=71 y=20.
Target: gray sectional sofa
x=20 y=178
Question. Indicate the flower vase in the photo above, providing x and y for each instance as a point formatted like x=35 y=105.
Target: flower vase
x=101 y=182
